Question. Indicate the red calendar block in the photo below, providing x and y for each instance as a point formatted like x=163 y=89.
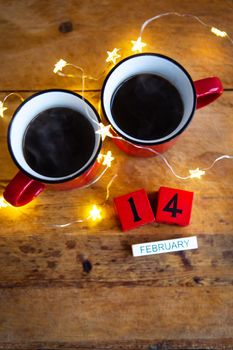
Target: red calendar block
x=174 y=206
x=134 y=209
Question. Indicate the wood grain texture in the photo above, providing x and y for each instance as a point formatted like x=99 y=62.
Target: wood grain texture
x=42 y=265
x=82 y=314
x=200 y=145
x=32 y=43
x=128 y=345
x=79 y=287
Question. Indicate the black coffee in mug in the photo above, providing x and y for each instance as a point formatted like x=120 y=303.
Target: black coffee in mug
x=58 y=142
x=147 y=106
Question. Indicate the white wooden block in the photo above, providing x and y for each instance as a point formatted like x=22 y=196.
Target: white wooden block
x=168 y=246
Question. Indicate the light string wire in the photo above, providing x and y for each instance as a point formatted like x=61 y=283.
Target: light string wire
x=214 y=30
x=105 y=130
x=114 y=55
x=108 y=157
x=2 y=103
x=13 y=94
x=83 y=77
x=105 y=158
x=96 y=210
x=89 y=77
x=193 y=173
x=102 y=129
x=197 y=172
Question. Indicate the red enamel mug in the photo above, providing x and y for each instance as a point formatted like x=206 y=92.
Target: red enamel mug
x=194 y=95
x=53 y=137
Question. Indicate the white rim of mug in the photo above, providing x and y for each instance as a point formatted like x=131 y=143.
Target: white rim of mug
x=46 y=179
x=148 y=142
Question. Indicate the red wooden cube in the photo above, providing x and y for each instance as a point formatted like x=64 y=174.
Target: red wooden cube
x=134 y=209
x=174 y=206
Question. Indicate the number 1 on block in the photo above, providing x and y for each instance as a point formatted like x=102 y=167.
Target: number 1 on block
x=133 y=209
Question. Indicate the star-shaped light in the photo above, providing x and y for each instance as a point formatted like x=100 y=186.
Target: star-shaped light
x=3 y=203
x=59 y=66
x=113 y=56
x=196 y=173
x=138 y=45
x=218 y=32
x=105 y=159
x=104 y=131
x=95 y=213
x=108 y=159
x=2 y=109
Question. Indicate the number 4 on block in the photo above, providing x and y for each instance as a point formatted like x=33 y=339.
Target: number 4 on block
x=174 y=206
x=134 y=209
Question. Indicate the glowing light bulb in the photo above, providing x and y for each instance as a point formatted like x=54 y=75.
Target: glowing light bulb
x=59 y=66
x=138 y=45
x=2 y=109
x=95 y=213
x=197 y=173
x=108 y=159
x=3 y=203
x=113 y=56
x=218 y=32
x=104 y=131
x=99 y=158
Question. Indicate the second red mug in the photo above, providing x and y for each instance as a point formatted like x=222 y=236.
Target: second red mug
x=131 y=74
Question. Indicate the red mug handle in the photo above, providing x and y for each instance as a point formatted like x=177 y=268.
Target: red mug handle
x=22 y=189
x=207 y=90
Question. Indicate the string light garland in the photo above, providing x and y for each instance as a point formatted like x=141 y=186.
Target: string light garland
x=94 y=215
x=196 y=173
x=2 y=107
x=106 y=130
x=218 y=32
x=4 y=203
x=61 y=63
x=58 y=69
x=59 y=66
x=138 y=45
x=106 y=159
x=95 y=212
x=213 y=30
x=113 y=56
x=108 y=187
x=102 y=129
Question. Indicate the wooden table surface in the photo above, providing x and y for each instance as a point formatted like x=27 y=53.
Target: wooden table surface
x=79 y=287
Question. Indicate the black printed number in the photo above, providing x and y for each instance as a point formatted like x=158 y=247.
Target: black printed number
x=171 y=206
x=134 y=209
